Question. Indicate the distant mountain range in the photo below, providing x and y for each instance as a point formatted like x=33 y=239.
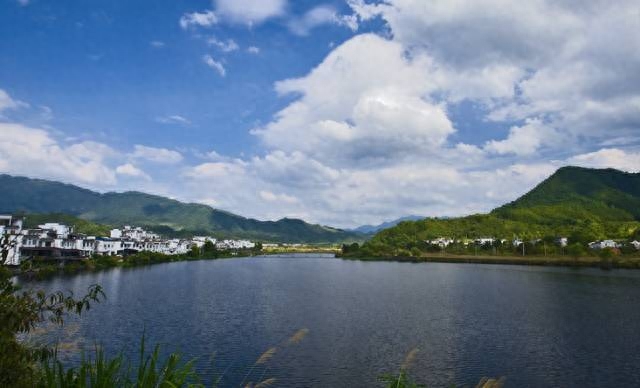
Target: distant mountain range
x=369 y=229
x=164 y=215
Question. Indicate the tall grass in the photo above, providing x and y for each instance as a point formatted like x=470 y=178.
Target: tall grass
x=101 y=372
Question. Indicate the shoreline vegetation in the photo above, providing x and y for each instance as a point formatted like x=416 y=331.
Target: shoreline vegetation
x=550 y=261
x=42 y=268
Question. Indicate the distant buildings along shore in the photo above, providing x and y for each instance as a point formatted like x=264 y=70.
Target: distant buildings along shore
x=58 y=241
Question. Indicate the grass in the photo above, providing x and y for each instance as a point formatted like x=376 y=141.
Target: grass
x=103 y=372
x=152 y=370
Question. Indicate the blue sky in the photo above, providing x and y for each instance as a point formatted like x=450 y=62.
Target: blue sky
x=338 y=112
x=114 y=69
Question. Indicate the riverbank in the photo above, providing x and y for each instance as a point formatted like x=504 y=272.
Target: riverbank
x=41 y=268
x=563 y=261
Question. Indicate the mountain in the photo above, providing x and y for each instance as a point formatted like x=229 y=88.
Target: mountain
x=161 y=214
x=369 y=229
x=579 y=193
x=581 y=203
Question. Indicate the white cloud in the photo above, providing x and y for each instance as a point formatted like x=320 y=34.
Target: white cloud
x=173 y=119
x=156 y=155
x=205 y=19
x=250 y=12
x=370 y=137
x=253 y=50
x=527 y=139
x=271 y=197
x=216 y=65
x=609 y=158
x=23 y=3
x=364 y=102
x=226 y=46
x=321 y=15
x=6 y=102
x=130 y=170
x=157 y=44
x=34 y=152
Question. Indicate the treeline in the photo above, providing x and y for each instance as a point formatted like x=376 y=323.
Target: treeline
x=43 y=267
x=411 y=238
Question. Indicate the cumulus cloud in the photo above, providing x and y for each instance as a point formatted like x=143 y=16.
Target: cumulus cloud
x=225 y=46
x=6 y=102
x=215 y=65
x=250 y=12
x=321 y=15
x=156 y=155
x=526 y=139
x=609 y=158
x=130 y=170
x=253 y=50
x=34 y=152
x=198 y=19
x=271 y=197
x=370 y=137
x=365 y=102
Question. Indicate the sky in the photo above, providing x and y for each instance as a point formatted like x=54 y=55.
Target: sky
x=339 y=112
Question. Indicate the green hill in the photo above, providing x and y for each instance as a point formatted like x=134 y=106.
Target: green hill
x=579 y=193
x=580 y=203
x=36 y=196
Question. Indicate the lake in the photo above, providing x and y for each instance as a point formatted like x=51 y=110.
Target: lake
x=537 y=326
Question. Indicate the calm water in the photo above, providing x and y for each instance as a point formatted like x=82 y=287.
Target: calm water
x=536 y=326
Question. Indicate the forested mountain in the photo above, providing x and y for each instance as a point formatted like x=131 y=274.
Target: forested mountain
x=580 y=203
x=162 y=214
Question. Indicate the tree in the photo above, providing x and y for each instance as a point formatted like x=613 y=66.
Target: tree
x=209 y=249
x=576 y=250
x=20 y=312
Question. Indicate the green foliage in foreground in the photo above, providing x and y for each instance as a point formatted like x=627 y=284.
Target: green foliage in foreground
x=117 y=372
x=20 y=312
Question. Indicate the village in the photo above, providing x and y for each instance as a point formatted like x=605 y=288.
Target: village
x=562 y=242
x=59 y=241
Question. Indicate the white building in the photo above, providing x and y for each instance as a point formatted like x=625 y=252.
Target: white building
x=108 y=247
x=636 y=244
x=604 y=244
x=442 y=242
x=235 y=244
x=11 y=238
x=484 y=240
x=60 y=230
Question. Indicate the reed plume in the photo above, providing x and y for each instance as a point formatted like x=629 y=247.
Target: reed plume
x=409 y=359
x=491 y=383
x=266 y=356
x=298 y=336
x=266 y=383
